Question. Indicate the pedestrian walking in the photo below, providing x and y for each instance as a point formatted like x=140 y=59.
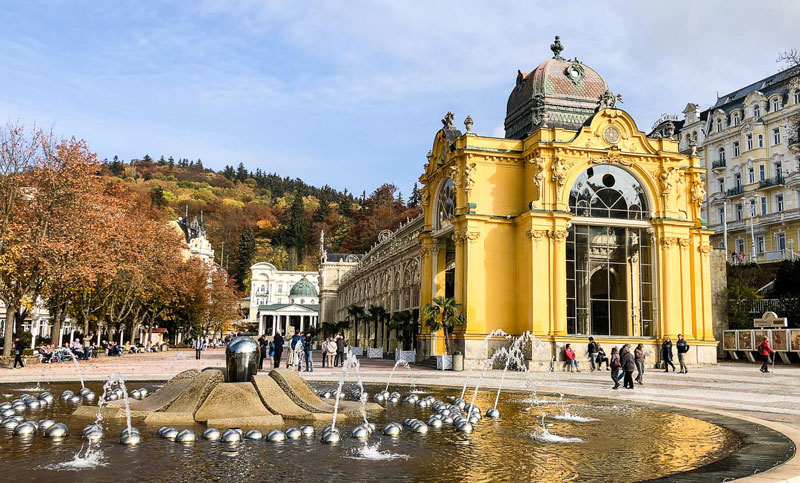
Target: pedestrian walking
x=296 y=353
x=639 y=355
x=766 y=352
x=683 y=348
x=198 y=347
x=262 y=348
x=628 y=363
x=666 y=354
x=19 y=347
x=308 y=345
x=592 y=348
x=277 y=349
x=615 y=366
x=330 y=353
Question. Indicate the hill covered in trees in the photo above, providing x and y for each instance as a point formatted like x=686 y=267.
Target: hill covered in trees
x=253 y=216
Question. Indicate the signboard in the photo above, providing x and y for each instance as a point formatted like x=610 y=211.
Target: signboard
x=794 y=340
x=729 y=340
x=770 y=320
x=758 y=336
x=780 y=341
x=745 y=340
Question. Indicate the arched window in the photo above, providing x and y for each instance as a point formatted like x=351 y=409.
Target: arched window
x=736 y=119
x=445 y=205
x=719 y=125
x=776 y=104
x=797 y=96
x=721 y=153
x=606 y=191
x=756 y=110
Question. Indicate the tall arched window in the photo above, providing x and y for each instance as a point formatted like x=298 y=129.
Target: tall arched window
x=610 y=268
x=445 y=205
x=756 y=110
x=721 y=153
x=719 y=125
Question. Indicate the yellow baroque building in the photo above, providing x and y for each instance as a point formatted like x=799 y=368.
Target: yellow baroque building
x=580 y=226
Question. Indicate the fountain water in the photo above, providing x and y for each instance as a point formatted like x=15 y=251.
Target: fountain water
x=180 y=355
x=484 y=344
x=515 y=354
x=501 y=352
x=77 y=367
x=400 y=362
x=115 y=382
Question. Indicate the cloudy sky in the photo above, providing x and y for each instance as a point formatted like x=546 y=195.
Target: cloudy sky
x=350 y=93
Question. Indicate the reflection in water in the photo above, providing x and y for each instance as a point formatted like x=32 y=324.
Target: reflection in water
x=651 y=443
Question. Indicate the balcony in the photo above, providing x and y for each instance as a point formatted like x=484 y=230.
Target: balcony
x=736 y=190
x=719 y=164
x=773 y=181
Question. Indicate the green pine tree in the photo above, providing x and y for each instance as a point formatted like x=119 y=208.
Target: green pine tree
x=298 y=226
x=244 y=256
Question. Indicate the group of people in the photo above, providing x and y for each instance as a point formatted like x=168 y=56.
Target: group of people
x=666 y=354
x=301 y=350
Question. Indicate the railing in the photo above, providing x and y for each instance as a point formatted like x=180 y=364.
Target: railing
x=736 y=190
x=773 y=181
x=720 y=163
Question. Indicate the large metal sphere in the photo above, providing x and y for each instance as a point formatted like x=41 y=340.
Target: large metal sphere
x=162 y=429
x=56 y=431
x=67 y=394
x=4 y=406
x=135 y=394
x=112 y=397
x=254 y=434
x=211 y=434
x=435 y=423
x=9 y=423
x=379 y=398
x=307 y=430
x=83 y=391
x=360 y=432
x=447 y=420
x=89 y=396
x=459 y=403
x=19 y=408
x=465 y=427
x=186 y=436
x=24 y=397
x=420 y=428
x=25 y=429
x=276 y=436
x=393 y=400
x=7 y=412
x=93 y=436
x=44 y=402
x=231 y=436
x=331 y=437
x=170 y=434
x=91 y=427
x=75 y=399
x=294 y=433
x=392 y=429
x=241 y=359
x=144 y=392
x=130 y=439
x=326 y=395
x=45 y=423
x=473 y=420
x=130 y=431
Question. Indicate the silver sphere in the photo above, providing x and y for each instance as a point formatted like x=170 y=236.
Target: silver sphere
x=93 y=436
x=89 y=427
x=112 y=397
x=294 y=433
x=45 y=423
x=473 y=420
x=144 y=392
x=44 y=402
x=186 y=436
x=135 y=394
x=447 y=420
x=66 y=394
x=19 y=408
x=47 y=397
x=444 y=411
x=379 y=398
x=276 y=436
x=9 y=423
x=360 y=432
x=33 y=404
x=465 y=427
x=130 y=431
x=170 y=434
x=331 y=437
x=75 y=399
x=25 y=429
x=307 y=430
x=131 y=439
x=422 y=403
x=254 y=434
x=393 y=400
x=392 y=429
x=4 y=406
x=56 y=431
x=7 y=412
x=231 y=436
x=420 y=428
x=459 y=403
x=211 y=434
x=162 y=429
x=435 y=423
x=89 y=396
x=83 y=391
x=326 y=395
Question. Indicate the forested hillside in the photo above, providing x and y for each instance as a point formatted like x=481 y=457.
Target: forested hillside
x=255 y=216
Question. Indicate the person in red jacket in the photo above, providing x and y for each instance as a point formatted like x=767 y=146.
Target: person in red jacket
x=766 y=352
x=569 y=356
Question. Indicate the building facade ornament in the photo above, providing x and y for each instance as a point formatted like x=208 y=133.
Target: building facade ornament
x=447 y=121
x=668 y=242
x=704 y=249
x=535 y=235
x=538 y=172
x=559 y=169
x=558 y=236
x=468 y=124
x=684 y=242
x=469 y=176
x=698 y=190
x=612 y=156
x=608 y=100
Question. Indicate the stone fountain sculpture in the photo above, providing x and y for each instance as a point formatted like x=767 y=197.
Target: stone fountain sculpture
x=232 y=397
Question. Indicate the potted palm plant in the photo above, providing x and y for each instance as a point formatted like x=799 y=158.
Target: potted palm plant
x=443 y=313
x=356 y=314
x=405 y=328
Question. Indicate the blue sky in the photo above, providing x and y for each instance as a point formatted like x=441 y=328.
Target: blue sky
x=350 y=93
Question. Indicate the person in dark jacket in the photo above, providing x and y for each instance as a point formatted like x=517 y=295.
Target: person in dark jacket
x=262 y=347
x=277 y=343
x=615 y=365
x=308 y=344
x=592 y=349
x=601 y=357
x=666 y=354
x=683 y=348
x=19 y=346
x=628 y=363
x=340 y=345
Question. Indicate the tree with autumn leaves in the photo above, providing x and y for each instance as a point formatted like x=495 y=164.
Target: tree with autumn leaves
x=85 y=246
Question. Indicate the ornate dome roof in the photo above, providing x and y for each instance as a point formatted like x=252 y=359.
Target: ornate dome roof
x=558 y=93
x=303 y=288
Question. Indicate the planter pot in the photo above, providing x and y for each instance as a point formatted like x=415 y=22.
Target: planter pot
x=408 y=356
x=357 y=351
x=444 y=363
x=375 y=353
